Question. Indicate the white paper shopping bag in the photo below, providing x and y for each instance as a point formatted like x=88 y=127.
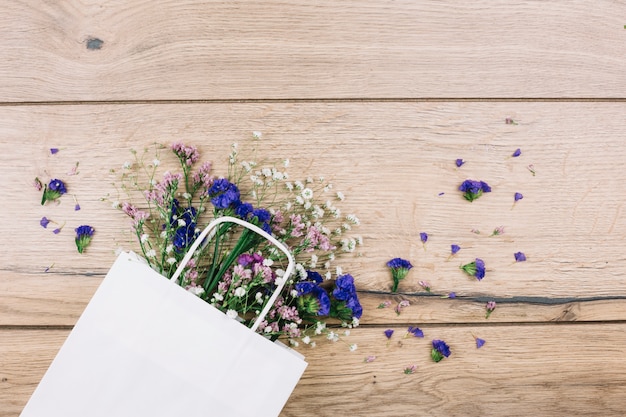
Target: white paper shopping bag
x=145 y=347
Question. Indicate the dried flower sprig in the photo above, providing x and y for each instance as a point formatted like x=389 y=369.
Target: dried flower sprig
x=53 y=190
x=473 y=189
x=399 y=269
x=440 y=350
x=490 y=307
x=475 y=269
x=83 y=238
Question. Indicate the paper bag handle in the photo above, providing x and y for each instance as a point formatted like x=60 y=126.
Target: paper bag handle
x=227 y=219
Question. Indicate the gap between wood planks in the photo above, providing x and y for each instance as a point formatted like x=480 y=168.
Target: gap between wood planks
x=327 y=100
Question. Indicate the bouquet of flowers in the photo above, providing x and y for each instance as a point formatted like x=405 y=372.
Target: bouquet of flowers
x=237 y=270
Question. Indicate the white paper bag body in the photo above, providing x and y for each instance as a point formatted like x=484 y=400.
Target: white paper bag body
x=145 y=347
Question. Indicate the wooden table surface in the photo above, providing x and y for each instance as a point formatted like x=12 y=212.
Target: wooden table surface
x=381 y=97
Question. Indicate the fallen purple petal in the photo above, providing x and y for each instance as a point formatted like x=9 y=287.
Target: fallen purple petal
x=517 y=153
x=479 y=342
x=519 y=257
x=53 y=151
x=44 y=222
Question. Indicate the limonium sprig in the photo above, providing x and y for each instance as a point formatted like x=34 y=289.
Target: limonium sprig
x=475 y=269
x=83 y=238
x=53 y=190
x=490 y=307
x=399 y=269
x=473 y=189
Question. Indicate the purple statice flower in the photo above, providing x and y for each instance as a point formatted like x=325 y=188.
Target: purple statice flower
x=424 y=238
x=519 y=257
x=479 y=342
x=312 y=299
x=454 y=249
x=76 y=207
x=475 y=269
x=439 y=350
x=517 y=153
x=410 y=369
x=83 y=237
x=415 y=331
x=399 y=268
x=388 y=333
x=490 y=306
x=54 y=151
x=518 y=196
x=55 y=189
x=188 y=155
x=224 y=194
x=44 y=222
x=474 y=189
x=459 y=162
x=345 y=291
x=425 y=285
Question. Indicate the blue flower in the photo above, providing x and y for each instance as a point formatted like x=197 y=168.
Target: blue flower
x=459 y=162
x=475 y=269
x=54 y=151
x=415 y=331
x=312 y=299
x=224 y=194
x=517 y=153
x=83 y=237
x=44 y=222
x=243 y=210
x=183 y=222
x=314 y=276
x=388 y=333
x=52 y=191
x=518 y=196
x=519 y=257
x=454 y=249
x=474 y=189
x=440 y=350
x=479 y=342
x=423 y=237
x=399 y=268
x=345 y=290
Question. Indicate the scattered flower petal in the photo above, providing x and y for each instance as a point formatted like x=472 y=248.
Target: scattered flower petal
x=519 y=257
x=53 y=151
x=425 y=285
x=423 y=237
x=440 y=194
x=510 y=121
x=449 y=295
x=415 y=331
x=48 y=268
x=531 y=168
x=475 y=231
x=74 y=170
x=518 y=196
x=459 y=162
x=402 y=304
x=454 y=249
x=388 y=333
x=369 y=359
x=410 y=369
x=44 y=222
x=384 y=304
x=479 y=342
x=498 y=231
x=490 y=307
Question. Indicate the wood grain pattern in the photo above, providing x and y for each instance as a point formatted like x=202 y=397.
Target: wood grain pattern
x=187 y=50
x=520 y=371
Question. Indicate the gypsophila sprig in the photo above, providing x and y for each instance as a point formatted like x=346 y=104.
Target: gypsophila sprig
x=237 y=270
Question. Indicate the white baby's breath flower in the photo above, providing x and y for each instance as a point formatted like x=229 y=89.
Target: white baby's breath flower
x=218 y=297
x=258 y=297
x=298 y=185
x=353 y=219
x=126 y=165
x=268 y=329
x=353 y=347
x=257 y=135
x=332 y=336
x=246 y=166
x=340 y=196
x=163 y=234
x=156 y=162
x=319 y=327
x=294 y=343
x=169 y=248
x=267 y=173
x=307 y=205
x=346 y=333
x=151 y=253
x=339 y=271
x=196 y=291
x=299 y=200
x=306 y=340
x=240 y=292
x=289 y=186
x=115 y=204
x=313 y=262
x=171 y=261
x=232 y=314
x=268 y=262
x=309 y=180
x=294 y=293
x=328 y=275
x=288 y=206
x=144 y=238
x=286 y=163
x=181 y=223
x=355 y=322
x=313 y=344
x=307 y=194
x=187 y=196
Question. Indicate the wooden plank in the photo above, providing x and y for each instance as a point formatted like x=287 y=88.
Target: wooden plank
x=51 y=299
x=520 y=370
x=187 y=50
x=391 y=159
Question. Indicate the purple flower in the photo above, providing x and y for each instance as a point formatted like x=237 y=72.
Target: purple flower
x=312 y=299
x=479 y=342
x=439 y=350
x=423 y=237
x=452 y=295
x=399 y=268
x=519 y=257
x=44 y=222
x=518 y=196
x=54 y=150
x=415 y=331
x=224 y=194
x=454 y=249
x=83 y=237
x=57 y=231
x=346 y=291
x=517 y=153
x=475 y=269
x=52 y=191
x=459 y=162
x=388 y=333
x=474 y=189
x=77 y=207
